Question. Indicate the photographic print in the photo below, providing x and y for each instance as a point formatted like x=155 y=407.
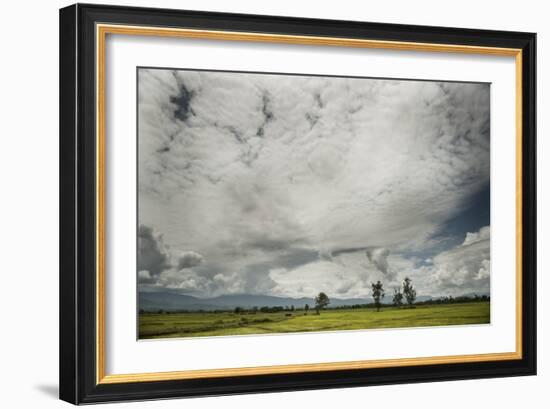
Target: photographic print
x=329 y=185
x=281 y=203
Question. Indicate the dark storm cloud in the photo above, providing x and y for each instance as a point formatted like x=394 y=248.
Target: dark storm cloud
x=189 y=259
x=298 y=257
x=290 y=258
x=267 y=114
x=349 y=250
x=182 y=102
x=475 y=213
x=152 y=255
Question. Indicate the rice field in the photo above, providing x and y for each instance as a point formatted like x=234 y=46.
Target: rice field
x=206 y=324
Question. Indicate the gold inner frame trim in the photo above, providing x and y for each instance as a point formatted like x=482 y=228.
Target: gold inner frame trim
x=101 y=33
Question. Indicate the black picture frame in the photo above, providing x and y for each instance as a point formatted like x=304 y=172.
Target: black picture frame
x=78 y=360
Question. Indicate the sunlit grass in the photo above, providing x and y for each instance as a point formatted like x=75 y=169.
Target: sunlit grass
x=201 y=324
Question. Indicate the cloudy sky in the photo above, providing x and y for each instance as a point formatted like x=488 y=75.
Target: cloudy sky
x=290 y=185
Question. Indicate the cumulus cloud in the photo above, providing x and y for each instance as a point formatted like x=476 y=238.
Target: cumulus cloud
x=346 y=275
x=482 y=234
x=465 y=268
x=153 y=255
x=144 y=277
x=186 y=281
x=189 y=259
x=253 y=174
x=462 y=269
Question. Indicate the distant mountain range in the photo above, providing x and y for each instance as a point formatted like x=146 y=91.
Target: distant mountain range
x=154 y=301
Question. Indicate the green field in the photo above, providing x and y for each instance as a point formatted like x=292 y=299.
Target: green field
x=203 y=324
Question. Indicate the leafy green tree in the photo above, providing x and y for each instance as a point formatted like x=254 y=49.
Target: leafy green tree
x=397 y=297
x=408 y=291
x=321 y=301
x=306 y=307
x=377 y=293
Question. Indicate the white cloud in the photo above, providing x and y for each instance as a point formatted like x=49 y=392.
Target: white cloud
x=482 y=234
x=465 y=268
x=263 y=172
x=144 y=277
x=461 y=270
x=186 y=280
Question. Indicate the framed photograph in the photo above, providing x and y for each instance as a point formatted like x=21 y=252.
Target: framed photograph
x=257 y=203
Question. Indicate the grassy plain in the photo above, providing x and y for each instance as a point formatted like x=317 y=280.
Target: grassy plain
x=202 y=324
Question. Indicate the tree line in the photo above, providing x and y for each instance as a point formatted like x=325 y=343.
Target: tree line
x=456 y=300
